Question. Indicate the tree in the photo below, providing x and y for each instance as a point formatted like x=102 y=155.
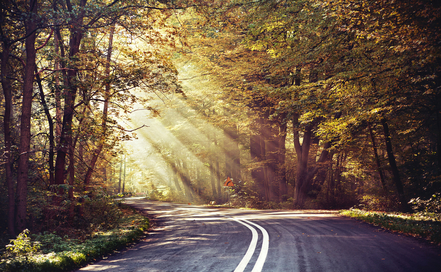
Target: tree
x=344 y=58
x=390 y=74
x=26 y=108
x=8 y=113
x=74 y=71
x=101 y=141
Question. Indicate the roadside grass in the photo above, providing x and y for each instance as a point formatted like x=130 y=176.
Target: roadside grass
x=423 y=225
x=50 y=252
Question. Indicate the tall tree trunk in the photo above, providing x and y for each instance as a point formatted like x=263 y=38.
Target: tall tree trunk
x=330 y=186
x=124 y=179
x=25 y=126
x=302 y=151
x=320 y=169
x=213 y=179
x=59 y=54
x=264 y=132
x=102 y=139
x=281 y=170
x=70 y=191
x=120 y=176
x=271 y=160
x=337 y=184
x=301 y=164
x=76 y=35
x=438 y=128
x=212 y=168
x=59 y=51
x=303 y=176
x=218 y=179
x=393 y=165
x=257 y=152
x=51 y=128
x=7 y=92
x=232 y=154
x=377 y=160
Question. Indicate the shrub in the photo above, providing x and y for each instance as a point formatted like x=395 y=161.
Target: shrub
x=101 y=212
x=51 y=252
x=378 y=203
x=51 y=242
x=22 y=245
x=429 y=206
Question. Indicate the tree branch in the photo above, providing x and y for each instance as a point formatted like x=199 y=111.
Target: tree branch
x=47 y=40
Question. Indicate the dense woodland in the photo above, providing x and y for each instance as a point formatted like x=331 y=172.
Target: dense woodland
x=302 y=103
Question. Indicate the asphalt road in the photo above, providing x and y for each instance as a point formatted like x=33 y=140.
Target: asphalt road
x=194 y=238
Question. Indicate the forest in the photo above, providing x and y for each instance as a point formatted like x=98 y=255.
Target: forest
x=302 y=104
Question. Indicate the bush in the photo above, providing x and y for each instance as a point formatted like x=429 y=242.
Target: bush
x=429 y=206
x=51 y=252
x=22 y=245
x=101 y=212
x=51 y=242
x=243 y=196
x=156 y=195
x=378 y=203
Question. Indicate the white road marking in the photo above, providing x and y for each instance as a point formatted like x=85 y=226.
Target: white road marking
x=258 y=266
x=264 y=251
x=246 y=259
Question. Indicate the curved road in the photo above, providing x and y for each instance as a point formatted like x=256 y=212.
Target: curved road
x=195 y=238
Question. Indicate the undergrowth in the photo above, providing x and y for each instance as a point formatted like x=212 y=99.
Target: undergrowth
x=51 y=252
x=424 y=225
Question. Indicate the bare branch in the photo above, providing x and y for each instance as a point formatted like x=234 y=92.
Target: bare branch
x=130 y=130
x=47 y=40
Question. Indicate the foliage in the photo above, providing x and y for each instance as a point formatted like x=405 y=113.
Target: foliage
x=22 y=245
x=244 y=196
x=377 y=202
x=418 y=225
x=101 y=212
x=50 y=252
x=85 y=85
x=431 y=206
x=331 y=75
x=359 y=73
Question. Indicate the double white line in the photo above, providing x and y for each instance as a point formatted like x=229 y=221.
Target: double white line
x=263 y=251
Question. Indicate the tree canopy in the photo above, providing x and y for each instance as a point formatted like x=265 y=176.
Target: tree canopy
x=303 y=103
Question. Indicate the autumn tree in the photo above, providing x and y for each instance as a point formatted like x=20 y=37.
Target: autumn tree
x=8 y=40
x=351 y=73
x=75 y=71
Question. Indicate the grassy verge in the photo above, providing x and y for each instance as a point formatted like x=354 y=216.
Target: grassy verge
x=49 y=252
x=427 y=226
